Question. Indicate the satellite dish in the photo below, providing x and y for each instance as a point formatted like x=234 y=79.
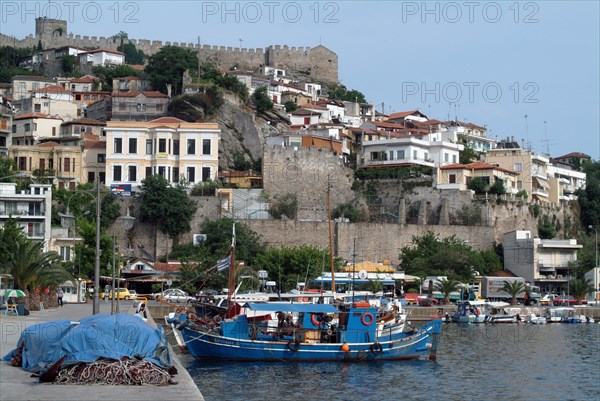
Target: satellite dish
x=363 y=274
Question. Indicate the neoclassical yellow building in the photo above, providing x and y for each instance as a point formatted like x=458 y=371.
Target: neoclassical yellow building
x=167 y=146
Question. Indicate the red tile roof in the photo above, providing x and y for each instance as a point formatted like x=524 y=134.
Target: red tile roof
x=478 y=165
x=138 y=67
x=312 y=106
x=49 y=144
x=387 y=125
x=90 y=137
x=129 y=78
x=86 y=79
x=574 y=154
x=36 y=115
x=32 y=78
x=94 y=144
x=136 y=93
x=167 y=120
x=403 y=114
x=84 y=121
x=51 y=89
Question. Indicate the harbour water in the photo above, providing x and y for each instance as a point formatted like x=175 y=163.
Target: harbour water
x=475 y=362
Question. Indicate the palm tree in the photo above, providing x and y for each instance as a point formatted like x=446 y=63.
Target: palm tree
x=579 y=287
x=514 y=288
x=31 y=268
x=446 y=286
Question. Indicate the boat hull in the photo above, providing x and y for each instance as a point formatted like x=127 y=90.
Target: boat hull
x=206 y=345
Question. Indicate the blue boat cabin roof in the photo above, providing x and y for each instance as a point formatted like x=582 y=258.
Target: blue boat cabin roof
x=284 y=307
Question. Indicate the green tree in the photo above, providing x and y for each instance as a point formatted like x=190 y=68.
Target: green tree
x=340 y=92
x=546 y=229
x=166 y=67
x=430 y=256
x=32 y=268
x=290 y=265
x=478 y=185
x=468 y=155
x=169 y=208
x=513 y=288
x=498 y=188
x=10 y=235
x=348 y=210
x=447 y=286
x=290 y=106
x=589 y=197
x=261 y=99
x=491 y=261
x=107 y=74
x=10 y=57
x=579 y=288
x=218 y=240
x=284 y=205
x=132 y=54
x=8 y=170
x=68 y=64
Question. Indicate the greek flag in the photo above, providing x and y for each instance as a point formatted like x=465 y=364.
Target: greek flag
x=223 y=264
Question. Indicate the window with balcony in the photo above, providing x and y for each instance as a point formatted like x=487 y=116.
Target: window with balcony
x=148 y=146
x=101 y=158
x=162 y=171
x=162 y=145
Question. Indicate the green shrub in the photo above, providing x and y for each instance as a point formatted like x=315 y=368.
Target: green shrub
x=285 y=205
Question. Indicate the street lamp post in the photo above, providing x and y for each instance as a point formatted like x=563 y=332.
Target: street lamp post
x=67 y=220
x=127 y=224
x=596 y=231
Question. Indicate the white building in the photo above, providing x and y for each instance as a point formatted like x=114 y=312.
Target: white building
x=27 y=129
x=542 y=262
x=102 y=57
x=408 y=150
x=32 y=208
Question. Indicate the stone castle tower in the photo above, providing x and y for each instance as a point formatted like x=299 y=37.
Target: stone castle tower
x=318 y=63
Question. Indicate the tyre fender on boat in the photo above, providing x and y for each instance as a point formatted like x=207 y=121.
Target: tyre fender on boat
x=376 y=348
x=367 y=319
x=293 y=345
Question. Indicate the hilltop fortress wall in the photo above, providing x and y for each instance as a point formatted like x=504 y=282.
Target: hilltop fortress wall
x=318 y=63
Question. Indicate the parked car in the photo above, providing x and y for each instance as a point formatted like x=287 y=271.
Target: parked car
x=548 y=299
x=121 y=293
x=133 y=294
x=566 y=300
x=594 y=302
x=176 y=295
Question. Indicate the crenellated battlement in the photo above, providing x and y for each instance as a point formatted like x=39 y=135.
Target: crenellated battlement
x=318 y=63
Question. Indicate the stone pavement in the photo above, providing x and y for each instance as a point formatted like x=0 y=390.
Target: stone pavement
x=17 y=384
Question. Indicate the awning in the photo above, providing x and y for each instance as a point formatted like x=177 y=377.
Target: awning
x=306 y=308
x=542 y=183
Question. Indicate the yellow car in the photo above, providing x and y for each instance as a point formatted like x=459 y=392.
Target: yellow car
x=121 y=293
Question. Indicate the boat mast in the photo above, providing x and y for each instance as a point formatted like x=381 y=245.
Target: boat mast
x=330 y=237
x=230 y=309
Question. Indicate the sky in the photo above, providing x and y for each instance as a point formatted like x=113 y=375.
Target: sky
x=528 y=70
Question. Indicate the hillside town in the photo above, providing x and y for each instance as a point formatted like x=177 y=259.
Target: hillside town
x=73 y=129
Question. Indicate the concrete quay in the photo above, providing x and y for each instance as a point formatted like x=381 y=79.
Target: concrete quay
x=17 y=384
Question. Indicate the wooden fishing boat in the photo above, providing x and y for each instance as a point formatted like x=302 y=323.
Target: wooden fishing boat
x=307 y=332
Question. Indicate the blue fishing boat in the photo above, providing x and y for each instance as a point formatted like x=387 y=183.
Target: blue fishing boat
x=307 y=332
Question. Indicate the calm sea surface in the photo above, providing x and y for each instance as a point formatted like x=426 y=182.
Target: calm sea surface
x=475 y=362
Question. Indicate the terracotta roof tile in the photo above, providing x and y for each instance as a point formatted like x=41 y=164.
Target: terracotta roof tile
x=94 y=144
x=166 y=120
x=36 y=115
x=52 y=89
x=84 y=121
x=136 y=93
x=86 y=79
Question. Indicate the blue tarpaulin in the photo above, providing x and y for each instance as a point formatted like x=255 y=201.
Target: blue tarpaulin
x=92 y=338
